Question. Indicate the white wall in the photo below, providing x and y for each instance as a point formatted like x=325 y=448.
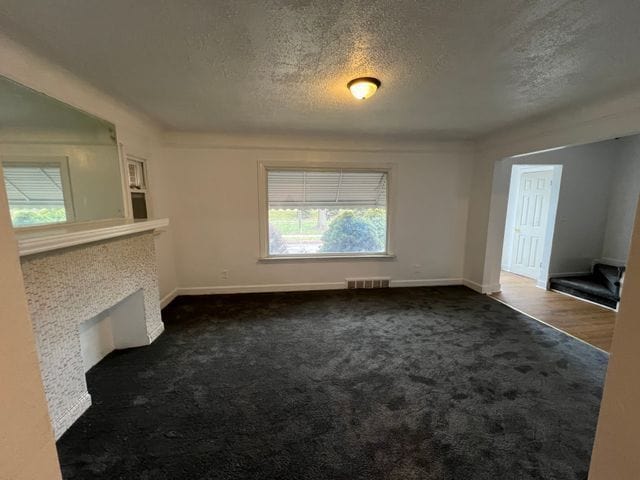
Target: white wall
x=625 y=188
x=216 y=223
x=617 y=442
x=581 y=217
x=27 y=448
x=139 y=135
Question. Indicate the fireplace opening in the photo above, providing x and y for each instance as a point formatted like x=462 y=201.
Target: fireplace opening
x=121 y=326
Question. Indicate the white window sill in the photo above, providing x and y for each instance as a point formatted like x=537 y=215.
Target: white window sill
x=314 y=258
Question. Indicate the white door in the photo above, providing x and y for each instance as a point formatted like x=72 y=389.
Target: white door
x=532 y=211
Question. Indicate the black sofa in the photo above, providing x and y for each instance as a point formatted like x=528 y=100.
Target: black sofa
x=601 y=286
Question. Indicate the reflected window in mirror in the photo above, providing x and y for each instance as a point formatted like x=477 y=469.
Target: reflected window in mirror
x=38 y=191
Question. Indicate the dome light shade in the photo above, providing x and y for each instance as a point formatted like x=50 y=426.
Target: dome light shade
x=363 y=87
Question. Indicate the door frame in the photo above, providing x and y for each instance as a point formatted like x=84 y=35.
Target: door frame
x=514 y=190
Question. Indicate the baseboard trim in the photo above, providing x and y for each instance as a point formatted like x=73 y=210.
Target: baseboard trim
x=481 y=288
x=297 y=287
x=266 y=288
x=431 y=282
x=472 y=285
x=168 y=298
x=62 y=423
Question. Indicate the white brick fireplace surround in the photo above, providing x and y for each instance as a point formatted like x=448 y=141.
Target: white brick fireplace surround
x=69 y=282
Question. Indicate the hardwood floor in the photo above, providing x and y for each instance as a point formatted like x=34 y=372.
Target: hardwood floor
x=583 y=320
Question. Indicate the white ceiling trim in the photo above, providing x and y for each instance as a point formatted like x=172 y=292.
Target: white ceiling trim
x=301 y=142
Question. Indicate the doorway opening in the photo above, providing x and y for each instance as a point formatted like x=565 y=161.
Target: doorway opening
x=574 y=279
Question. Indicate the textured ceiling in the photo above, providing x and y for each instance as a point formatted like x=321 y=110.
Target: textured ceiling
x=449 y=68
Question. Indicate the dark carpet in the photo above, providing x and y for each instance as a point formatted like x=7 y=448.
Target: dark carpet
x=417 y=383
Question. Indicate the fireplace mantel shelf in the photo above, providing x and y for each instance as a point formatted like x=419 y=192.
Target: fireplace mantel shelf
x=38 y=240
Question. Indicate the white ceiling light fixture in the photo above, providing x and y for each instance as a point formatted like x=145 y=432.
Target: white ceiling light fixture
x=363 y=87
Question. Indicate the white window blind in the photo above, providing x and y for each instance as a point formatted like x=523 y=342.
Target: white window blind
x=326 y=188
x=30 y=186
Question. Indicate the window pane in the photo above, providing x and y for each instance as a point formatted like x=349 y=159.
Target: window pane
x=35 y=194
x=325 y=212
x=303 y=231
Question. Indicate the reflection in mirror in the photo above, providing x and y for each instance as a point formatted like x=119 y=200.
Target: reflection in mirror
x=59 y=164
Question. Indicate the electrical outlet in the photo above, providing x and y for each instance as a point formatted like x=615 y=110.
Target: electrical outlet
x=224 y=274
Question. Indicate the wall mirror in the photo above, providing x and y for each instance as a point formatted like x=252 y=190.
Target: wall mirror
x=60 y=165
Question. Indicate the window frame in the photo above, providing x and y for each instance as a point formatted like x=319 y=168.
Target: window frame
x=59 y=161
x=263 y=199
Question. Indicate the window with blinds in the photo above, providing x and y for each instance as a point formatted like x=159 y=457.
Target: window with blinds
x=326 y=212
x=36 y=193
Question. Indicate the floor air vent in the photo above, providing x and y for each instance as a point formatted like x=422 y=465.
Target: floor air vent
x=367 y=283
